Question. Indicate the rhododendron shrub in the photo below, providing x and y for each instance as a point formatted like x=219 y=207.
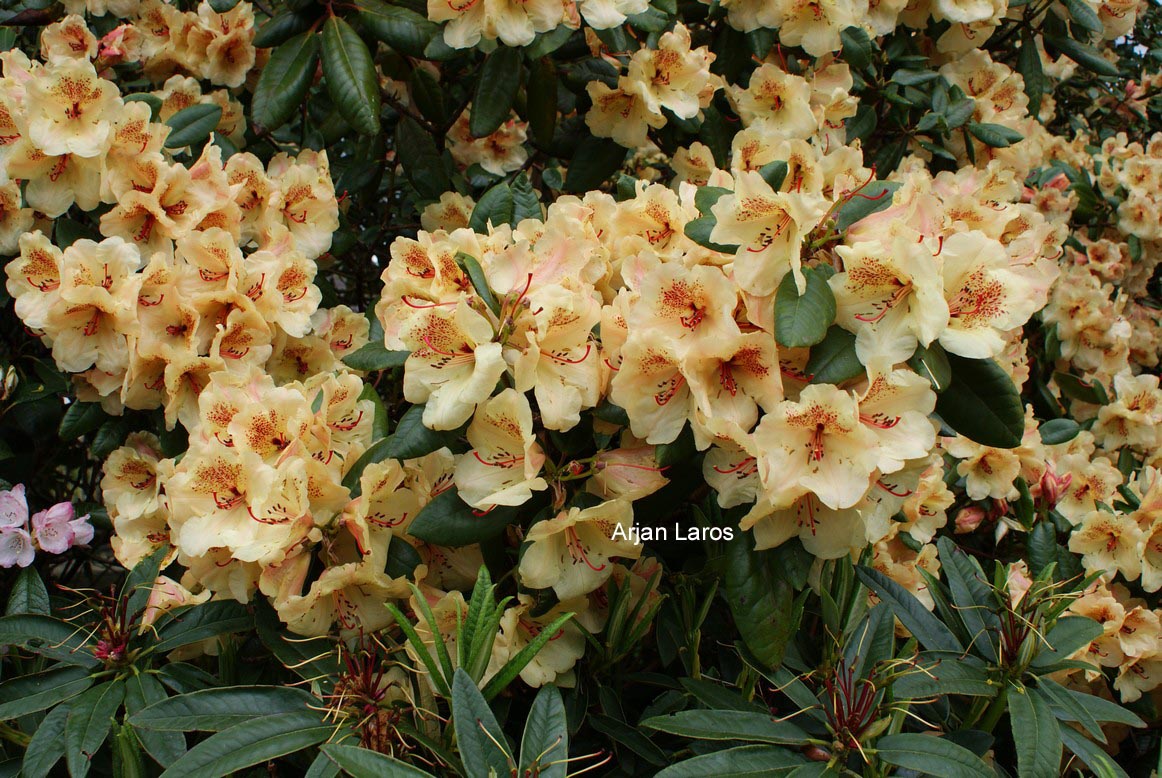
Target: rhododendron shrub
x=671 y=388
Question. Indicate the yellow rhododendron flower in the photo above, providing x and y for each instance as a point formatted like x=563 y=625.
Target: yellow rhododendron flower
x=571 y=554
x=504 y=465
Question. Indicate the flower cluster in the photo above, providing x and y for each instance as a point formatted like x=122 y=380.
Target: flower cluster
x=672 y=76
x=207 y=44
x=205 y=265
x=53 y=531
x=1131 y=639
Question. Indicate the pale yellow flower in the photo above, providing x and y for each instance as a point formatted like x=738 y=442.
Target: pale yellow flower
x=504 y=465
x=572 y=553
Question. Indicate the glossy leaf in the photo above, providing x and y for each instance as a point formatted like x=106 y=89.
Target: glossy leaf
x=833 y=360
x=192 y=125
x=47 y=745
x=495 y=91
x=284 y=81
x=449 y=521
x=982 y=404
x=25 y=694
x=873 y=198
x=402 y=29
x=802 y=319
x=141 y=691
x=350 y=75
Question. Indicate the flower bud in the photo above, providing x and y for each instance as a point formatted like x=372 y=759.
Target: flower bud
x=968 y=519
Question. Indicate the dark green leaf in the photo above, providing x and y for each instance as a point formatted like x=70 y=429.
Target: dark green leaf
x=1029 y=66
x=741 y=762
x=542 y=100
x=857 y=47
x=1096 y=759
x=930 y=755
x=871 y=641
x=1041 y=546
x=374 y=356
x=282 y=27
x=141 y=691
x=594 y=161
x=525 y=203
x=428 y=96
x=1036 y=734
x=874 y=197
x=81 y=419
x=400 y=28
x=1083 y=54
x=212 y=710
x=412 y=439
x=1067 y=636
x=449 y=521
x=364 y=763
x=251 y=742
x=495 y=92
x=202 y=622
x=47 y=745
x=192 y=125
x=494 y=207
x=350 y=74
x=90 y=718
x=728 y=725
x=513 y=667
x=926 y=628
x=1084 y=16
x=698 y=230
x=1067 y=707
x=284 y=81
x=759 y=599
x=1077 y=389
x=28 y=595
x=914 y=77
x=972 y=596
x=982 y=404
x=774 y=173
x=46 y=636
x=932 y=363
x=833 y=360
x=802 y=319
x=996 y=135
x=422 y=162
x=940 y=673
x=1057 y=431
x=25 y=694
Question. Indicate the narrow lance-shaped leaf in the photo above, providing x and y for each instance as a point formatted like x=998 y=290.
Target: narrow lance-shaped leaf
x=88 y=724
